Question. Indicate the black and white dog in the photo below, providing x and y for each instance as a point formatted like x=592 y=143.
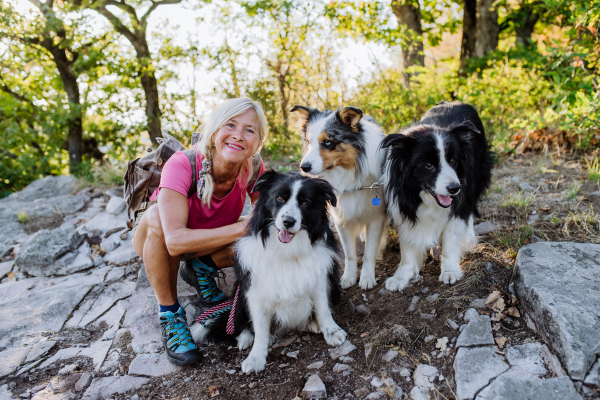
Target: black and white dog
x=286 y=266
x=342 y=147
x=434 y=174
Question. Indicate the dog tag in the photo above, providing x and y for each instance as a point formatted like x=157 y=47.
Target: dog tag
x=376 y=201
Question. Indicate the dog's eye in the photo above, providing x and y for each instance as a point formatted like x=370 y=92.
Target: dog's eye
x=429 y=166
x=453 y=161
x=280 y=199
x=304 y=204
x=327 y=144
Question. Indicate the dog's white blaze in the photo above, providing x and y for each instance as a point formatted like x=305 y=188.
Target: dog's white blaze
x=447 y=174
x=290 y=209
x=313 y=154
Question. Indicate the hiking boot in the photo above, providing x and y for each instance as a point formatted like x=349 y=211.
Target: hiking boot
x=200 y=274
x=176 y=336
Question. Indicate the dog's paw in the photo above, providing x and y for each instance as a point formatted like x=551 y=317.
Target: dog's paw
x=245 y=339
x=199 y=333
x=253 y=364
x=394 y=284
x=348 y=280
x=313 y=326
x=335 y=336
x=451 y=276
x=367 y=280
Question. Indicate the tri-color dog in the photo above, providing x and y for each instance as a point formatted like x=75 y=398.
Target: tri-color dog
x=342 y=147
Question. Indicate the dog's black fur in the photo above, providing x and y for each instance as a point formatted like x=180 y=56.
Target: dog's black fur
x=467 y=150
x=317 y=193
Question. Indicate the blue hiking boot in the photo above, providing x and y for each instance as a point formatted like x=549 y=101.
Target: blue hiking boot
x=201 y=273
x=176 y=336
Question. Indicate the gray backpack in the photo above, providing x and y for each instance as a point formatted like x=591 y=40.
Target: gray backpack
x=142 y=177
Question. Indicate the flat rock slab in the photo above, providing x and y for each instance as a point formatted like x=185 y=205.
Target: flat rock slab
x=528 y=357
x=557 y=284
x=477 y=333
x=511 y=388
x=152 y=365
x=142 y=317
x=5 y=268
x=50 y=186
x=103 y=388
x=474 y=368
x=44 y=308
x=11 y=359
x=45 y=248
x=106 y=221
x=122 y=254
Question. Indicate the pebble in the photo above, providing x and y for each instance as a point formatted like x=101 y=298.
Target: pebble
x=515 y=179
x=470 y=314
x=280 y=366
x=231 y=371
x=424 y=375
x=432 y=298
x=345 y=348
x=368 y=349
x=363 y=310
x=374 y=396
x=404 y=372
x=376 y=382
x=341 y=367
x=67 y=369
x=428 y=338
x=390 y=355
x=314 y=388
x=362 y=392
x=293 y=354
x=452 y=324
x=346 y=359
x=315 y=365
x=252 y=385
x=38 y=388
x=418 y=393
x=413 y=304
x=83 y=381
x=384 y=292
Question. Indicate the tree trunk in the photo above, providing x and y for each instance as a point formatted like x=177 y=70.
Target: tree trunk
x=525 y=28
x=467 y=47
x=152 y=104
x=487 y=27
x=408 y=14
x=69 y=80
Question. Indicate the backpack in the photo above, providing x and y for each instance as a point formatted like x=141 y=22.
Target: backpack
x=142 y=177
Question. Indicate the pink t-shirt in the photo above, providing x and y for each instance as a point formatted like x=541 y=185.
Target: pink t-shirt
x=177 y=175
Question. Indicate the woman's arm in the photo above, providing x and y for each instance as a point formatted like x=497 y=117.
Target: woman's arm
x=173 y=209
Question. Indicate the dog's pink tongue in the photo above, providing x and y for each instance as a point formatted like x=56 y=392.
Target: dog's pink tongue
x=285 y=236
x=445 y=200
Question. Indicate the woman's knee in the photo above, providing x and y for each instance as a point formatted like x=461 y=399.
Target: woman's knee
x=149 y=228
x=153 y=222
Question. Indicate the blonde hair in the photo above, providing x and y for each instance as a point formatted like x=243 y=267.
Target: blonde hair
x=229 y=109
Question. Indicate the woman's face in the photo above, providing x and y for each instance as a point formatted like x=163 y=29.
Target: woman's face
x=238 y=139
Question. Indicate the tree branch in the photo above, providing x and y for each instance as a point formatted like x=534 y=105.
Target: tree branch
x=116 y=22
x=153 y=7
x=17 y=96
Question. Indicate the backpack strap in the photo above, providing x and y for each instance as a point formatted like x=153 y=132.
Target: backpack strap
x=256 y=163
x=191 y=155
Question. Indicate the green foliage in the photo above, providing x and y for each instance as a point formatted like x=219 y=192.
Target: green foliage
x=23 y=216
x=593 y=170
x=573 y=190
x=520 y=200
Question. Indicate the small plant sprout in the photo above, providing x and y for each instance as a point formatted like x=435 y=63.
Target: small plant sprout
x=593 y=170
x=23 y=217
x=573 y=190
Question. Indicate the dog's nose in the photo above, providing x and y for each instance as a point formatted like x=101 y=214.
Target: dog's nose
x=288 y=222
x=306 y=167
x=453 y=188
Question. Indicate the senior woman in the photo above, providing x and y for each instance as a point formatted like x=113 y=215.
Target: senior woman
x=204 y=225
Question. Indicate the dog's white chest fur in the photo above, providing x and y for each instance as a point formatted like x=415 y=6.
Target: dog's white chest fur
x=285 y=277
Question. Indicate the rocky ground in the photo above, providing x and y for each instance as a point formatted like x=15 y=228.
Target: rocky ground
x=78 y=316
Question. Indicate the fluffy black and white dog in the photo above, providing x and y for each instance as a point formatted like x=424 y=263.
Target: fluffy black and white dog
x=286 y=266
x=342 y=147
x=434 y=174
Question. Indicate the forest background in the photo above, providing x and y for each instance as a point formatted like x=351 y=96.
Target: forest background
x=86 y=85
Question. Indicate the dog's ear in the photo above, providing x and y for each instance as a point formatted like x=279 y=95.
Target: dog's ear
x=328 y=191
x=467 y=126
x=266 y=181
x=304 y=114
x=397 y=141
x=350 y=116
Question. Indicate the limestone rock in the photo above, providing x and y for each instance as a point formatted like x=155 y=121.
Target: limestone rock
x=474 y=368
x=49 y=186
x=470 y=314
x=5 y=268
x=315 y=365
x=485 y=227
x=314 y=388
x=389 y=355
x=528 y=357
x=44 y=248
x=593 y=377
x=141 y=316
x=425 y=375
x=511 y=388
x=419 y=393
x=40 y=349
x=152 y=365
x=341 y=367
x=112 y=242
x=83 y=381
x=557 y=284
x=106 y=221
x=103 y=388
x=123 y=254
x=478 y=332
x=11 y=359
x=344 y=349
x=116 y=205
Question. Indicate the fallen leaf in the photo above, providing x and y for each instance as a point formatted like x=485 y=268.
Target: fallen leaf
x=214 y=392
x=513 y=300
x=364 y=334
x=501 y=341
x=441 y=344
x=496 y=327
x=495 y=295
x=497 y=317
x=513 y=312
x=498 y=306
x=518 y=160
x=545 y=207
x=549 y=171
